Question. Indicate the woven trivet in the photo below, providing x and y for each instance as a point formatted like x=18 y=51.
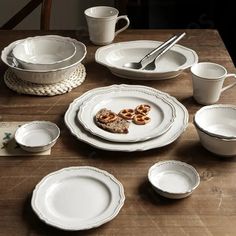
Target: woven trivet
x=21 y=86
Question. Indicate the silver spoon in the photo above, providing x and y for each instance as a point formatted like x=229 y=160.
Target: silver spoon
x=138 y=65
x=152 y=64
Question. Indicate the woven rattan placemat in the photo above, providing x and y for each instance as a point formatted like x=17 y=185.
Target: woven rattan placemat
x=24 y=87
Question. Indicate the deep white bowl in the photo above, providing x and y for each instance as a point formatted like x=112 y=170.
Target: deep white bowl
x=218 y=146
x=44 y=53
x=37 y=136
x=173 y=179
x=45 y=76
x=217 y=120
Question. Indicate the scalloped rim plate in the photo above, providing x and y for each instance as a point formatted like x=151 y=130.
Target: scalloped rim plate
x=179 y=125
x=78 y=198
x=115 y=55
x=162 y=113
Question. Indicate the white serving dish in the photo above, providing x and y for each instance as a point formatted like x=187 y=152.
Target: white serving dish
x=44 y=53
x=162 y=113
x=218 y=146
x=170 y=65
x=45 y=76
x=78 y=198
x=37 y=136
x=179 y=125
x=217 y=120
x=173 y=179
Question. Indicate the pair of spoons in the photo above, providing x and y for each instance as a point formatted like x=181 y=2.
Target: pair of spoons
x=160 y=50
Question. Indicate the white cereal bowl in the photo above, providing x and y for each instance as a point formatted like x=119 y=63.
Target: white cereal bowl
x=37 y=136
x=217 y=120
x=218 y=146
x=173 y=179
x=45 y=76
x=44 y=53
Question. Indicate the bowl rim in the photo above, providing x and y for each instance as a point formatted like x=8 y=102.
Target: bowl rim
x=175 y=162
x=4 y=56
x=204 y=108
x=36 y=38
x=19 y=130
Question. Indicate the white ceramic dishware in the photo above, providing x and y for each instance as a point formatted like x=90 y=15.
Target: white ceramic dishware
x=37 y=136
x=179 y=125
x=217 y=120
x=78 y=198
x=101 y=22
x=173 y=179
x=170 y=65
x=219 y=146
x=44 y=53
x=45 y=76
x=208 y=79
x=162 y=113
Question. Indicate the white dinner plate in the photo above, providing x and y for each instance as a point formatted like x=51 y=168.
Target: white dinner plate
x=179 y=125
x=162 y=113
x=170 y=65
x=78 y=198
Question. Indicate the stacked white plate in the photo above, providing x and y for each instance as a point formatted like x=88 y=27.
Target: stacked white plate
x=169 y=118
x=45 y=76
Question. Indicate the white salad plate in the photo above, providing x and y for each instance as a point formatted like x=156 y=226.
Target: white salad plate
x=173 y=179
x=170 y=65
x=162 y=113
x=49 y=76
x=179 y=125
x=78 y=198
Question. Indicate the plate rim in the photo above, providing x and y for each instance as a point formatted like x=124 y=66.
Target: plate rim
x=134 y=90
x=90 y=140
x=41 y=183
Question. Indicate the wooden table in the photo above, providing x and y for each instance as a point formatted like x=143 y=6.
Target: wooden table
x=211 y=210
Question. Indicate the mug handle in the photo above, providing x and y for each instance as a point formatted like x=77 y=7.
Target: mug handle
x=125 y=27
x=231 y=85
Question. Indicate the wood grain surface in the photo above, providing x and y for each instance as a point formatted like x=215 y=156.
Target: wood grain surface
x=210 y=210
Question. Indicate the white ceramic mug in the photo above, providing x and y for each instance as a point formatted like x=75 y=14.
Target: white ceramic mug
x=208 y=79
x=101 y=22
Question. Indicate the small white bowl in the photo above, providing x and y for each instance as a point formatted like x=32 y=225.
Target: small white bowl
x=42 y=53
x=173 y=179
x=218 y=146
x=37 y=136
x=217 y=120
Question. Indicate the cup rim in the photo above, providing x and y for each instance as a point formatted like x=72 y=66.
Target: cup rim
x=210 y=78
x=86 y=12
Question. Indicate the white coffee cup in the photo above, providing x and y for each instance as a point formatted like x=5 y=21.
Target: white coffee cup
x=101 y=22
x=208 y=79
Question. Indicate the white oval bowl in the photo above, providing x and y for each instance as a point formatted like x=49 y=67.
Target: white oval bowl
x=173 y=179
x=45 y=76
x=218 y=146
x=217 y=120
x=37 y=136
x=42 y=53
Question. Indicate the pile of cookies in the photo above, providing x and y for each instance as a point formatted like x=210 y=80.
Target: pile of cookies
x=119 y=123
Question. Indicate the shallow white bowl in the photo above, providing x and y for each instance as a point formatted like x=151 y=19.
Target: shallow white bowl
x=37 y=136
x=42 y=53
x=218 y=146
x=217 y=120
x=45 y=76
x=173 y=179
x=170 y=65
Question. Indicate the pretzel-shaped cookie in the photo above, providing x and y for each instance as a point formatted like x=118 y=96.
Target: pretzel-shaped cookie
x=140 y=119
x=108 y=117
x=143 y=109
x=127 y=114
